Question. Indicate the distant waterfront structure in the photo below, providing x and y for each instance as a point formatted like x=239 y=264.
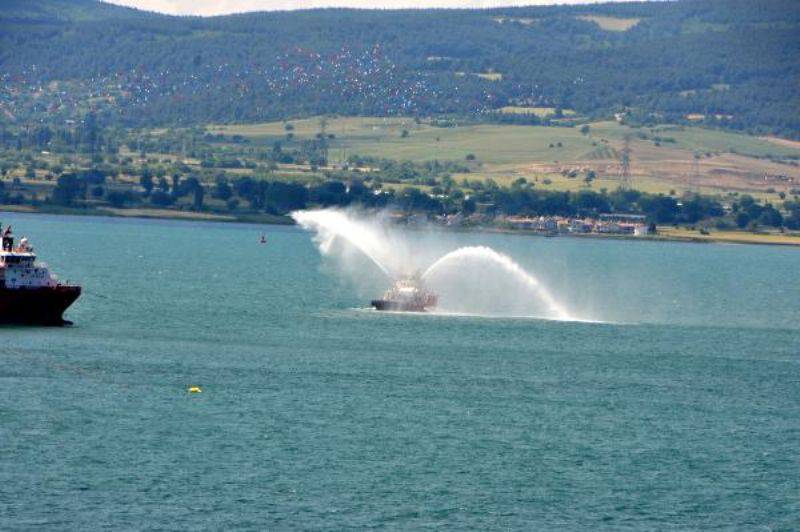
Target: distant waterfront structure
x=609 y=223
x=622 y=223
x=623 y=218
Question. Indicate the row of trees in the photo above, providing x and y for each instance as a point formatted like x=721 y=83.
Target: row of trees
x=73 y=188
x=280 y=197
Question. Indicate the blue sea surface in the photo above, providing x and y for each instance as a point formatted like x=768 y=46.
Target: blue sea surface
x=677 y=407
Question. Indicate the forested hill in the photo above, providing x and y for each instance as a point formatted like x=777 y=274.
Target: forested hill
x=729 y=63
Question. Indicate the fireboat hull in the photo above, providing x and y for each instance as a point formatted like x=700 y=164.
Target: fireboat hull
x=37 y=306
x=398 y=306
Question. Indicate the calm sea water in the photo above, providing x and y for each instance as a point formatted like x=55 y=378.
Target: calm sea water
x=680 y=411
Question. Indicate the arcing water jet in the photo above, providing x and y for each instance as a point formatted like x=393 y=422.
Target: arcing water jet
x=490 y=257
x=330 y=224
x=474 y=279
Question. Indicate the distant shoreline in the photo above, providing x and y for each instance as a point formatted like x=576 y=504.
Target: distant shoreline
x=670 y=235
x=145 y=213
x=666 y=234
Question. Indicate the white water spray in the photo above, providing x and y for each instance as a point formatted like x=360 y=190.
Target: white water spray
x=506 y=264
x=330 y=224
x=473 y=280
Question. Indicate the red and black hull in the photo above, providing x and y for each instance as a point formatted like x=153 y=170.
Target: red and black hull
x=36 y=306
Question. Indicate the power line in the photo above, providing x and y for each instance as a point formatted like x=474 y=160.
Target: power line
x=625 y=167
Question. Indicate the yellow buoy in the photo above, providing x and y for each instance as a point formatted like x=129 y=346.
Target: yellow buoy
x=195 y=389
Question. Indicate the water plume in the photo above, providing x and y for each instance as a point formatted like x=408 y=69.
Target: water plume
x=330 y=224
x=474 y=280
x=486 y=258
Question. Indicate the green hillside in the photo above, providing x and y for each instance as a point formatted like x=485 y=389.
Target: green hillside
x=731 y=64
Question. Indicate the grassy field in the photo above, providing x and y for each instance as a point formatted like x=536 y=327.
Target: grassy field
x=612 y=23
x=489 y=76
x=150 y=212
x=541 y=112
x=733 y=237
x=663 y=158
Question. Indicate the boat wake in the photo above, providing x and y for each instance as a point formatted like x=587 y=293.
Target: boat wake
x=473 y=315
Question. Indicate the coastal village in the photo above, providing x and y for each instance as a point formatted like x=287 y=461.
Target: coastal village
x=605 y=224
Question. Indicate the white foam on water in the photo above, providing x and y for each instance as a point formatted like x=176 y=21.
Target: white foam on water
x=452 y=314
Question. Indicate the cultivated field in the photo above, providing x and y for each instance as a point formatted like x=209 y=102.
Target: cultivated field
x=731 y=237
x=612 y=23
x=663 y=158
x=541 y=112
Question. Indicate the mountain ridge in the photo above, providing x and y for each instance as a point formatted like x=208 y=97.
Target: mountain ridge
x=732 y=59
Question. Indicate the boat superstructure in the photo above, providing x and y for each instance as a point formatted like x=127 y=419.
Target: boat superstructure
x=29 y=293
x=407 y=295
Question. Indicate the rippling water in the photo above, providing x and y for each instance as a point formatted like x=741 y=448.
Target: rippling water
x=680 y=410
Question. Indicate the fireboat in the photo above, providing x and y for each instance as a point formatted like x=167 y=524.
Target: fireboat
x=29 y=293
x=407 y=295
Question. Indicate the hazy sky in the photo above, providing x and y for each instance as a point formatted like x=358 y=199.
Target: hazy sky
x=219 y=7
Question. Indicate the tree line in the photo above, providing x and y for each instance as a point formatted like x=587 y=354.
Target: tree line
x=249 y=195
